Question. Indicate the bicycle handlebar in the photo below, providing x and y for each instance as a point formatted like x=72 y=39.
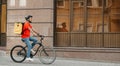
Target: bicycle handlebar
x=41 y=36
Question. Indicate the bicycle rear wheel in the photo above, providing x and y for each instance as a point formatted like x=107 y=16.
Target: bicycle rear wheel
x=18 y=54
x=47 y=55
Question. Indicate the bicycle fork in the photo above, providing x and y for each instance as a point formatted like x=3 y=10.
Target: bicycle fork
x=45 y=51
x=20 y=52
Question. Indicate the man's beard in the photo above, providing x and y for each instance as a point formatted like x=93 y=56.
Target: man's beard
x=29 y=21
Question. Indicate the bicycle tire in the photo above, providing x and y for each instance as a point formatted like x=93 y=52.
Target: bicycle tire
x=17 y=55
x=47 y=59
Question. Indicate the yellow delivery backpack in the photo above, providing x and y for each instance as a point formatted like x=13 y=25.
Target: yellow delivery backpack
x=18 y=27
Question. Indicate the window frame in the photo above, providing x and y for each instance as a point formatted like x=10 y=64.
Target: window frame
x=81 y=27
x=93 y=5
x=100 y=24
x=91 y=30
x=79 y=3
x=63 y=6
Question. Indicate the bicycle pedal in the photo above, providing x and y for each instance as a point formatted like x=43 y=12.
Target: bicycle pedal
x=31 y=56
x=23 y=54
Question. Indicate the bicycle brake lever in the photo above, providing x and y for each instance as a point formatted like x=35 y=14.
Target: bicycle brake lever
x=42 y=36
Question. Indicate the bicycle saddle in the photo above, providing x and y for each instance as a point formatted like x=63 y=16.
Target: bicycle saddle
x=22 y=40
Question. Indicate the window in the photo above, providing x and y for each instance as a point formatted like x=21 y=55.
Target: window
x=89 y=3
x=22 y=3
x=78 y=4
x=97 y=3
x=105 y=3
x=81 y=27
x=61 y=3
x=89 y=27
x=100 y=27
x=12 y=2
x=81 y=4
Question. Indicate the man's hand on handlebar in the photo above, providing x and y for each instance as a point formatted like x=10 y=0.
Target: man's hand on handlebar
x=40 y=35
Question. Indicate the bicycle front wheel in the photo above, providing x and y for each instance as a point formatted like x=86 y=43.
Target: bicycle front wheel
x=18 y=54
x=47 y=55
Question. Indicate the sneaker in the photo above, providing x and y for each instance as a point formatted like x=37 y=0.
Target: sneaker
x=33 y=52
x=29 y=59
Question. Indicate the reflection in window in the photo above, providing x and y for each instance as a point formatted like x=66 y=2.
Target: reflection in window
x=62 y=27
x=61 y=3
x=89 y=27
x=97 y=3
x=77 y=4
x=22 y=2
x=89 y=2
x=100 y=2
x=105 y=2
x=81 y=27
x=100 y=28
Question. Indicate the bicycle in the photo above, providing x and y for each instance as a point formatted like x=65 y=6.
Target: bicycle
x=46 y=55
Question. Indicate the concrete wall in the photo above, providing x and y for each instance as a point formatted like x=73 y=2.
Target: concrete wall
x=42 y=11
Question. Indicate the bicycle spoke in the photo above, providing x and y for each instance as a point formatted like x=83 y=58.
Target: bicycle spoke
x=18 y=54
x=47 y=55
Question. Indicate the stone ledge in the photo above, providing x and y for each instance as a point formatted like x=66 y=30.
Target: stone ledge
x=78 y=49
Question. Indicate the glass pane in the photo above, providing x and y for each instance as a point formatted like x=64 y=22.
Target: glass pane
x=94 y=24
x=114 y=15
x=62 y=24
x=77 y=16
x=60 y=3
x=89 y=2
x=63 y=20
x=78 y=23
x=94 y=17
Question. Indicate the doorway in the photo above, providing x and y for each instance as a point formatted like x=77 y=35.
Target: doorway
x=3 y=20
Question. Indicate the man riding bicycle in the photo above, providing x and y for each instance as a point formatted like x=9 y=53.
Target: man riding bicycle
x=26 y=37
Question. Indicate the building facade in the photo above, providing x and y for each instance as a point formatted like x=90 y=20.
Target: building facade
x=88 y=28
x=85 y=29
x=3 y=21
x=90 y=23
x=42 y=12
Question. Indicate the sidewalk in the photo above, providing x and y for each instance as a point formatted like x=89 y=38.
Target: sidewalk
x=2 y=53
x=6 y=61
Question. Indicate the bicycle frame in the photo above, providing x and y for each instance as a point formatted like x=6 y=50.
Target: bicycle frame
x=43 y=53
x=40 y=45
